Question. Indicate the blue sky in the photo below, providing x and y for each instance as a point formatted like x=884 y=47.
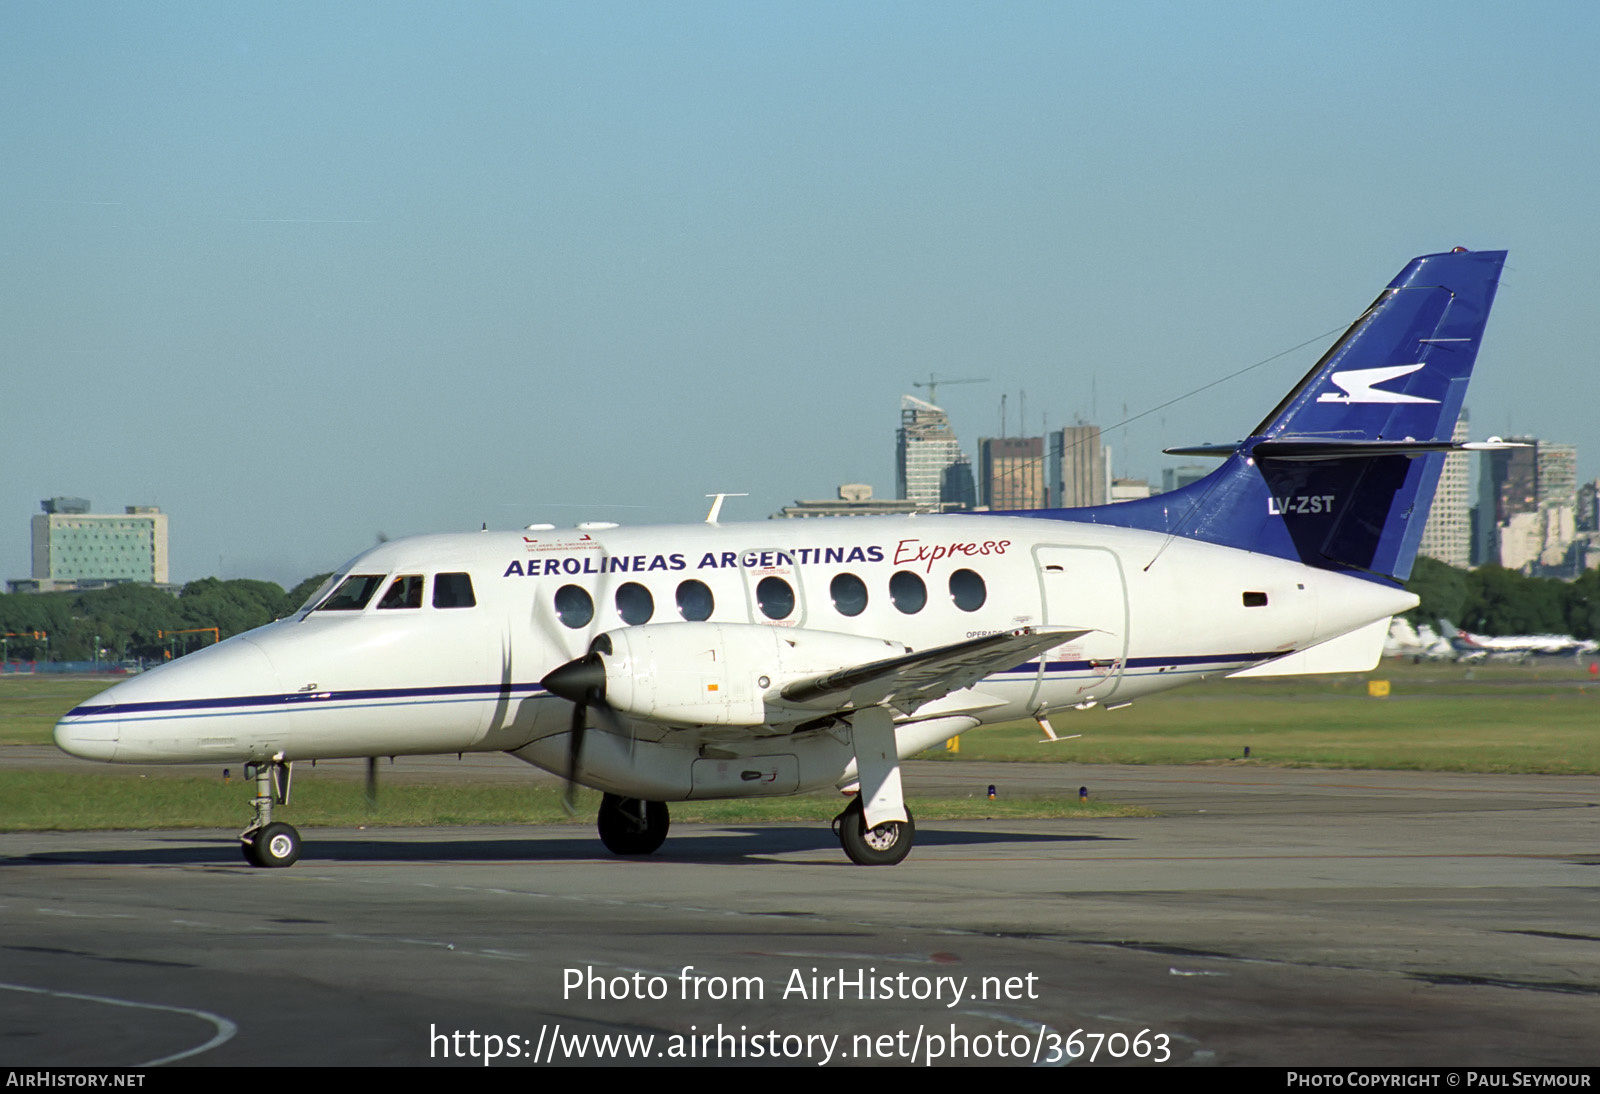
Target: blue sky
x=301 y=274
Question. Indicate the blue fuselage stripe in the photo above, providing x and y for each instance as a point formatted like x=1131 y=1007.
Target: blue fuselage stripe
x=459 y=692
x=301 y=699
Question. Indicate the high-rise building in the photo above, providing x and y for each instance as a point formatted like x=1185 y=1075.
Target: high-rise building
x=926 y=446
x=1588 y=514
x=1557 y=475
x=1448 y=533
x=1078 y=467
x=1011 y=472
x=1539 y=482
x=1507 y=485
x=75 y=548
x=959 y=491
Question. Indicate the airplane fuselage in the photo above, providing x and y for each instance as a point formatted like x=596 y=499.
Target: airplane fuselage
x=408 y=677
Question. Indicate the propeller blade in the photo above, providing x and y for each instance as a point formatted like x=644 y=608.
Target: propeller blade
x=581 y=682
x=580 y=720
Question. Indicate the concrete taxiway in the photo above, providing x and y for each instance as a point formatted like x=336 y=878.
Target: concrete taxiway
x=1268 y=916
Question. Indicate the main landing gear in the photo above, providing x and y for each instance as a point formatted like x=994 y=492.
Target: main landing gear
x=884 y=845
x=878 y=783
x=267 y=842
x=629 y=826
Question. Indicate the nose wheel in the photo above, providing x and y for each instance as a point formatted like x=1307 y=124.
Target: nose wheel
x=274 y=845
x=269 y=843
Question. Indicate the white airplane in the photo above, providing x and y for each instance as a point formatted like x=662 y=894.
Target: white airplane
x=748 y=660
x=1423 y=642
x=1468 y=647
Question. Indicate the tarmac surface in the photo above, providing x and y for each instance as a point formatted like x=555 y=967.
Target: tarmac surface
x=1268 y=916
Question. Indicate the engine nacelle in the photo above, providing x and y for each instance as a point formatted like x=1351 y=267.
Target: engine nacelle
x=724 y=673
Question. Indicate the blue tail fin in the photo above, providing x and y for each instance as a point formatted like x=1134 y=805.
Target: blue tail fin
x=1341 y=474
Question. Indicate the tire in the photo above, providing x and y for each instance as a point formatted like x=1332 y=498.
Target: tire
x=886 y=845
x=276 y=845
x=629 y=826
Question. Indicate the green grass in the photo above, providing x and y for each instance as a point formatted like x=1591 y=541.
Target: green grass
x=31 y=705
x=1543 y=717
x=54 y=801
x=1508 y=718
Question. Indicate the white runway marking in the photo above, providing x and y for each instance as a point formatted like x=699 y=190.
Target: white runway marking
x=225 y=1028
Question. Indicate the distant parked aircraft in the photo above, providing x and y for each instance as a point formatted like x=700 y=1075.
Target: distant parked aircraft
x=1404 y=640
x=1474 y=646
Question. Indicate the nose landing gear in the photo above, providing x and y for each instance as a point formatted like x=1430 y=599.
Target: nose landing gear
x=269 y=843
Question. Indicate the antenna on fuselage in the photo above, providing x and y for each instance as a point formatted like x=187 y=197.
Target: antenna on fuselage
x=716 y=506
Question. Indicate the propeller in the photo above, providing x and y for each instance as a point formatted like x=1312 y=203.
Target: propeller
x=582 y=683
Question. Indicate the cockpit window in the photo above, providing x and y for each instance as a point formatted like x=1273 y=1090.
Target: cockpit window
x=404 y=592
x=322 y=590
x=453 y=591
x=353 y=595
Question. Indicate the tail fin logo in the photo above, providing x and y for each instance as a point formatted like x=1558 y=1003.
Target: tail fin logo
x=1358 y=386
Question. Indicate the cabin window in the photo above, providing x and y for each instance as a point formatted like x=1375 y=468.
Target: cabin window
x=967 y=591
x=1255 y=600
x=776 y=597
x=353 y=595
x=908 y=592
x=574 y=607
x=694 y=601
x=404 y=592
x=849 y=594
x=453 y=591
x=635 y=604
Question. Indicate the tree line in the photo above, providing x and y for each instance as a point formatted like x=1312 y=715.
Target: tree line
x=130 y=621
x=1494 y=600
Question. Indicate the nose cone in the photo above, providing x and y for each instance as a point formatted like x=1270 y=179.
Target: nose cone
x=88 y=737
x=580 y=681
x=198 y=708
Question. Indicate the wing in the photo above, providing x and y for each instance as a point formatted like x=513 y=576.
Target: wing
x=909 y=681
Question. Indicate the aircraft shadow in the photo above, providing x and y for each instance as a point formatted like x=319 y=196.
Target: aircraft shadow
x=752 y=845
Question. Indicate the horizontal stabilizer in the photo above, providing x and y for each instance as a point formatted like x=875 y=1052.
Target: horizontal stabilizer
x=1310 y=448
x=1218 y=450
x=1356 y=651
x=1305 y=449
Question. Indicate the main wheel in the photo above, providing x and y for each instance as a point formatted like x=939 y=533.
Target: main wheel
x=629 y=826
x=274 y=845
x=884 y=845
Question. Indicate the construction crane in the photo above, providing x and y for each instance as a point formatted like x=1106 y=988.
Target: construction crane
x=934 y=381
